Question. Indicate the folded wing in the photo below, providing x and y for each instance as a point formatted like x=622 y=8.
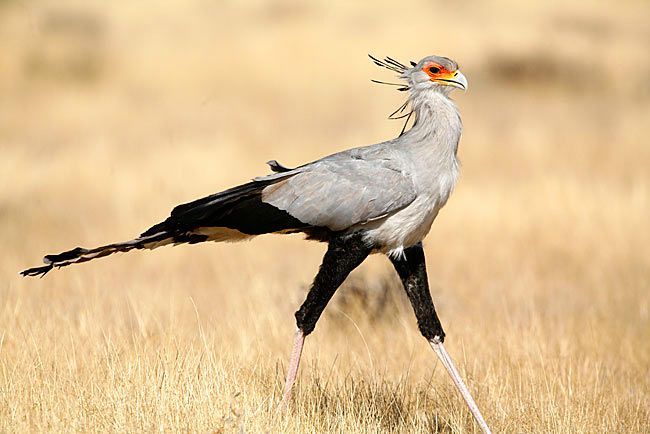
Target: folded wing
x=338 y=194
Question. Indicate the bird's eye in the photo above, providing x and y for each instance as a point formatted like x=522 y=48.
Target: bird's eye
x=434 y=70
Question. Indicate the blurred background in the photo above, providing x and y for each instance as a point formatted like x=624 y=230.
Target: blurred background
x=111 y=113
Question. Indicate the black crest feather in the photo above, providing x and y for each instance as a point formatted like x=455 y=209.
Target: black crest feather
x=395 y=66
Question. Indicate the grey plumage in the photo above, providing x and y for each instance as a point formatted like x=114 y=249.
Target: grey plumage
x=392 y=190
x=343 y=190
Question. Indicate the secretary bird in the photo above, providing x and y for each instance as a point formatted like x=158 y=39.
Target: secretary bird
x=381 y=198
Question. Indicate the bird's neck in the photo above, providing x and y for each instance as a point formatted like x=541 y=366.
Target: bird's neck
x=437 y=121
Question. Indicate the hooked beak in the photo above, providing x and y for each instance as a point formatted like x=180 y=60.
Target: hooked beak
x=455 y=79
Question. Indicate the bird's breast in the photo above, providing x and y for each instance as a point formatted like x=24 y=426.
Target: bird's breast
x=411 y=224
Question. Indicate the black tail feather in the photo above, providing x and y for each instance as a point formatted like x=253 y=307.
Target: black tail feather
x=37 y=271
x=79 y=254
x=240 y=209
x=65 y=256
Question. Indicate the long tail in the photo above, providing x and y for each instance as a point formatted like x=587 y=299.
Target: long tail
x=231 y=215
x=79 y=254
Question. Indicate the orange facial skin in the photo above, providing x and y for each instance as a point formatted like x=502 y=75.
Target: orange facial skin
x=437 y=72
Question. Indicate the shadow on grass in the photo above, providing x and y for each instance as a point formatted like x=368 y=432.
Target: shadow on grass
x=373 y=404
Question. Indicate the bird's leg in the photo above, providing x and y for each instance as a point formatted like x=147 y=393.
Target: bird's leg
x=448 y=363
x=344 y=254
x=412 y=271
x=294 y=362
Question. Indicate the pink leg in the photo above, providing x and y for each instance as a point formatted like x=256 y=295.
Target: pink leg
x=294 y=361
x=443 y=355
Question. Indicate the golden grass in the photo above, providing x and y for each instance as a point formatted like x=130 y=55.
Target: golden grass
x=539 y=264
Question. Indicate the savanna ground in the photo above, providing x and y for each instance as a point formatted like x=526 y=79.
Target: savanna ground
x=111 y=113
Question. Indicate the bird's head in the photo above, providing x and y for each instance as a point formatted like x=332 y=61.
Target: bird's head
x=431 y=75
x=433 y=72
x=436 y=72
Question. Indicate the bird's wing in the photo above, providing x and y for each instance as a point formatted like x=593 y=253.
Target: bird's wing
x=338 y=193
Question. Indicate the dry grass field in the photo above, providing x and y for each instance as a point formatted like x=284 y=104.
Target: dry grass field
x=113 y=112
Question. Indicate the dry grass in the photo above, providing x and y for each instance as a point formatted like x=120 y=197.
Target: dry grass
x=112 y=113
